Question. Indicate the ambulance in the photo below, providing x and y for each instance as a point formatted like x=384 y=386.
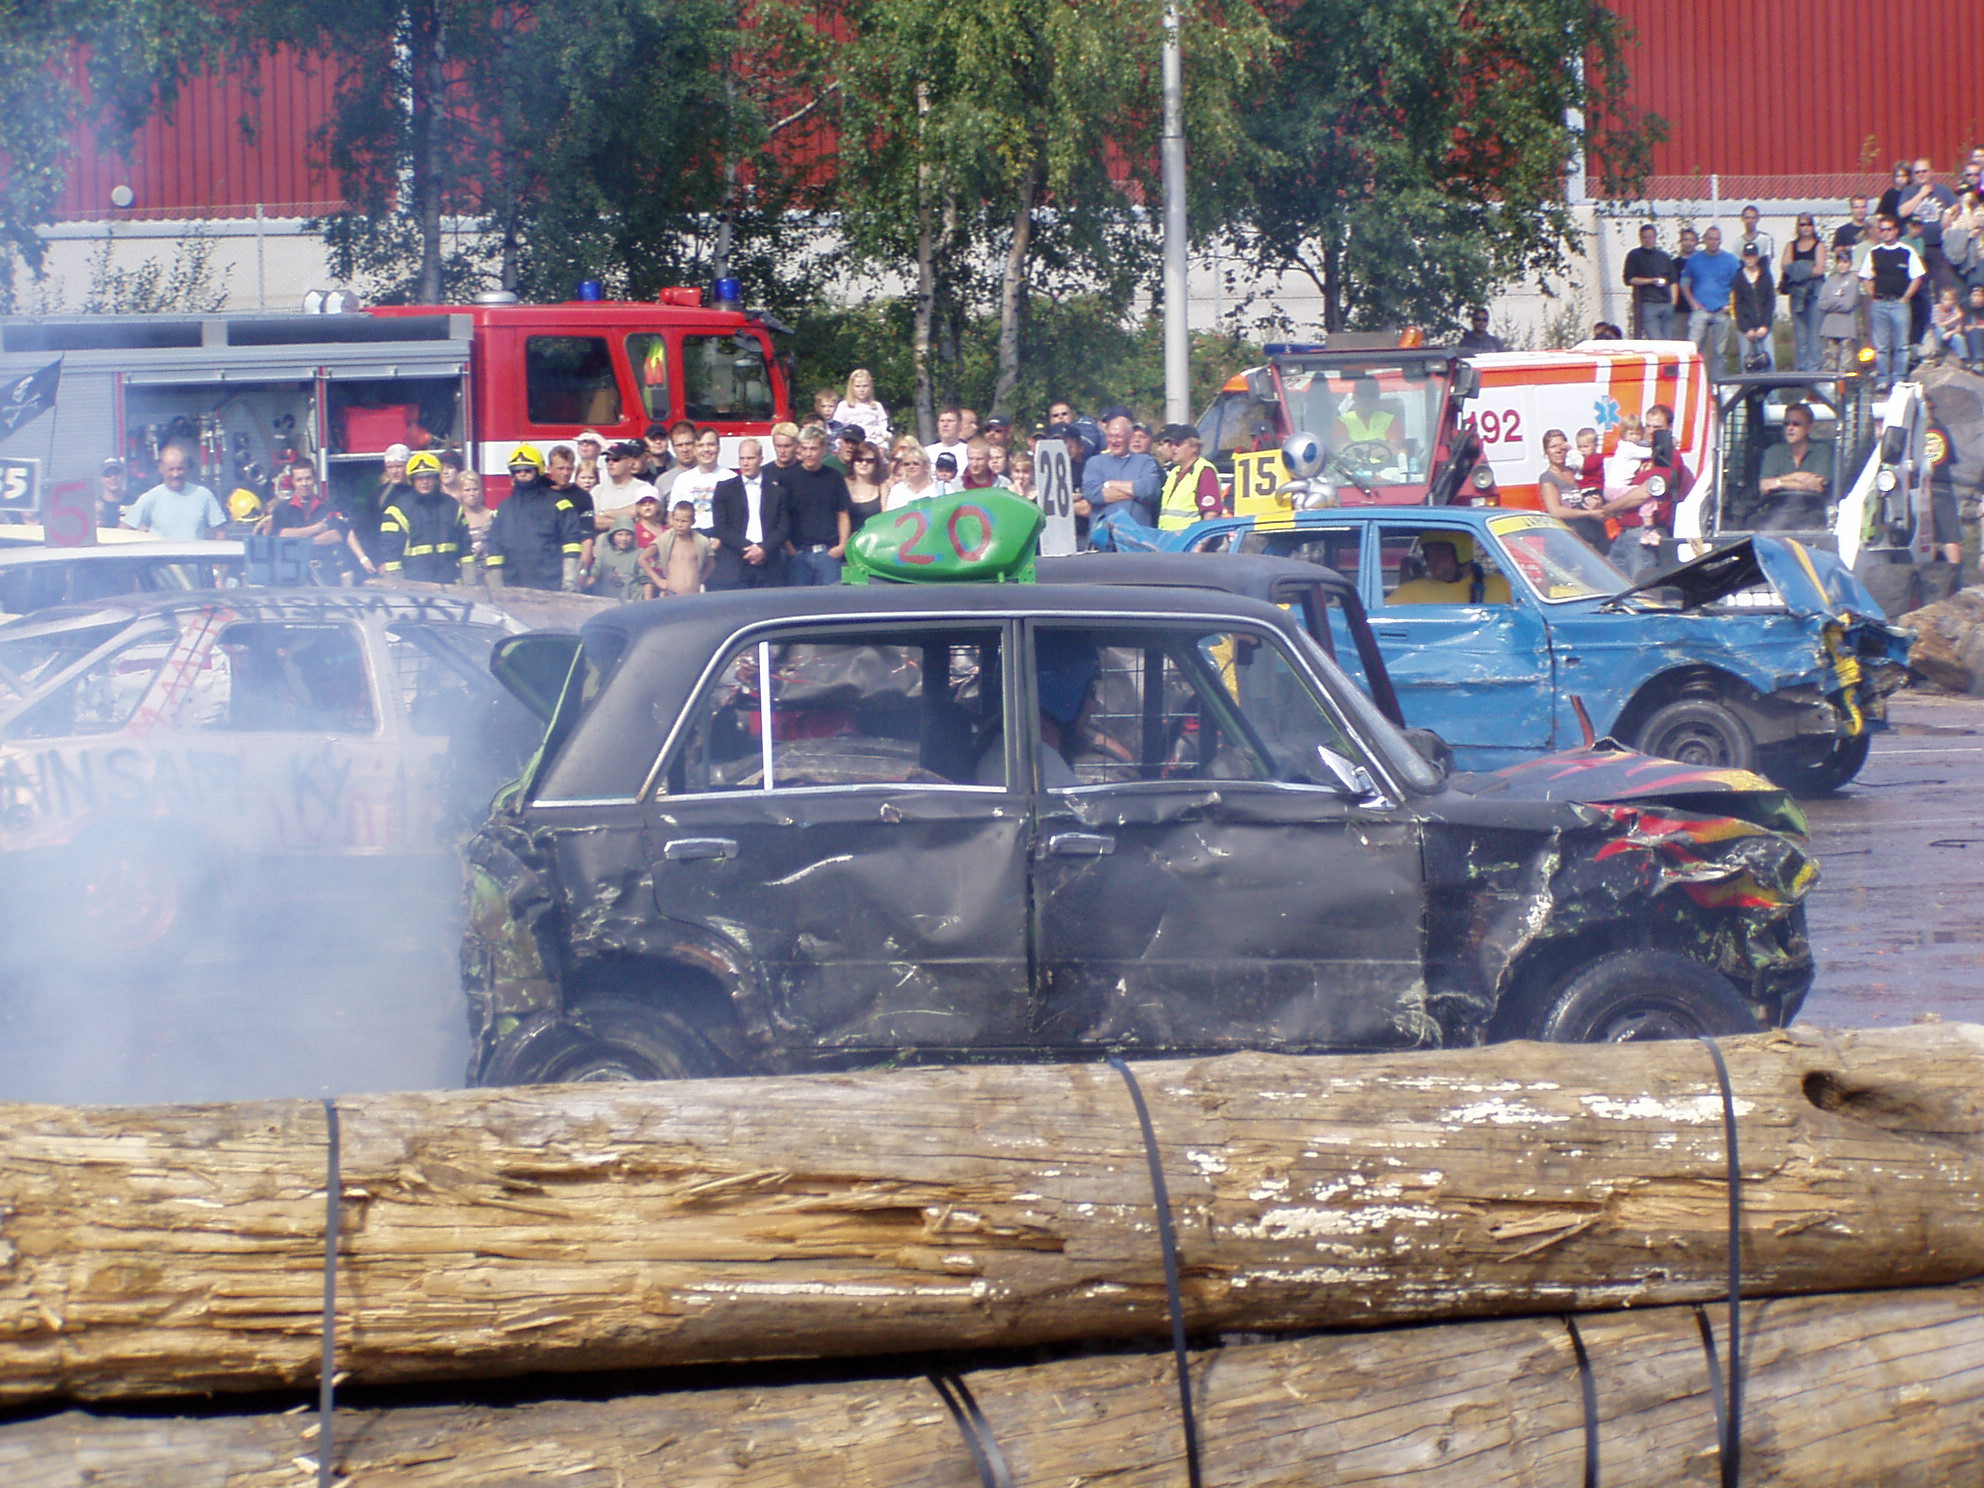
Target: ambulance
x=1520 y=396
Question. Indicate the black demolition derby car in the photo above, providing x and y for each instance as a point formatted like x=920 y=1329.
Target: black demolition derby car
x=817 y=828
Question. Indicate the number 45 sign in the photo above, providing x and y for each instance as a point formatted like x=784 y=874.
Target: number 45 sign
x=20 y=486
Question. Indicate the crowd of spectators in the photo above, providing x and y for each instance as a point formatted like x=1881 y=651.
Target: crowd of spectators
x=665 y=515
x=1903 y=274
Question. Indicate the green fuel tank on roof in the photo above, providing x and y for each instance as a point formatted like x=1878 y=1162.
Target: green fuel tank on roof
x=971 y=537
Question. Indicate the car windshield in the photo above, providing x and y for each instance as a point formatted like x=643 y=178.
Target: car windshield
x=1380 y=420
x=1558 y=564
x=29 y=661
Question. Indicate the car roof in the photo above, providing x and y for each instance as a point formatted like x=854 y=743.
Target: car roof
x=736 y=609
x=158 y=552
x=1253 y=575
x=255 y=603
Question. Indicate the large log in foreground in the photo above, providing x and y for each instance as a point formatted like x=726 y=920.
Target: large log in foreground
x=150 y=1251
x=1874 y=1388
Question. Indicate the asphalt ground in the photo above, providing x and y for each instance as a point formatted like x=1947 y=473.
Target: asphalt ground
x=1895 y=931
x=1896 y=918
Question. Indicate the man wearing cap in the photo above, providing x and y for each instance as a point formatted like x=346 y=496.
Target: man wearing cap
x=654 y=452
x=424 y=536
x=1452 y=576
x=176 y=509
x=110 y=498
x=537 y=540
x=1191 y=491
x=1706 y=278
x=589 y=446
x=999 y=431
x=750 y=525
x=620 y=488
x=1119 y=486
x=1753 y=300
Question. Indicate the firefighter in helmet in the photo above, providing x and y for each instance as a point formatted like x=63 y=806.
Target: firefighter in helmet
x=423 y=534
x=537 y=539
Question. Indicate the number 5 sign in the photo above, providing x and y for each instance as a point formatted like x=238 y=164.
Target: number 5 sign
x=1054 y=487
x=68 y=517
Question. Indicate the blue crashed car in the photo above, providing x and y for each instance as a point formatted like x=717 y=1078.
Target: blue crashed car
x=1499 y=626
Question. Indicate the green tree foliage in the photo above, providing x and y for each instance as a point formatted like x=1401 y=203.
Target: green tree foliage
x=1004 y=152
x=1081 y=348
x=1411 y=154
x=68 y=64
x=574 y=141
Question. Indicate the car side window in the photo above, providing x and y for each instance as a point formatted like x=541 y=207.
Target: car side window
x=1340 y=548
x=1177 y=703
x=647 y=354
x=892 y=707
x=266 y=677
x=103 y=698
x=1410 y=574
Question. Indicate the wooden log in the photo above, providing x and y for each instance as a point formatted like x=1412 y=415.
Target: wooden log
x=1876 y=1388
x=172 y=1249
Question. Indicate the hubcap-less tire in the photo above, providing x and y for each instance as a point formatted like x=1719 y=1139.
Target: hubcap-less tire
x=1820 y=769
x=604 y=1042
x=1699 y=731
x=1637 y=996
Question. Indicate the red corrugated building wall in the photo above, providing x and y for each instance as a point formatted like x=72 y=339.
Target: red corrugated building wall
x=1813 y=89
x=1817 y=97
x=199 y=163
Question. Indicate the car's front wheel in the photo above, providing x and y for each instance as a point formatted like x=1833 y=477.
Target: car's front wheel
x=604 y=1041
x=1631 y=997
x=1699 y=731
x=1818 y=769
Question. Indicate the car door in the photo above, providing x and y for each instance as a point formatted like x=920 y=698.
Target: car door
x=1201 y=879
x=838 y=809
x=1480 y=675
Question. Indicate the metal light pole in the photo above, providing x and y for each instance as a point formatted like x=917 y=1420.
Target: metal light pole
x=1177 y=331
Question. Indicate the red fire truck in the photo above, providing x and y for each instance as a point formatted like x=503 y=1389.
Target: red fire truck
x=246 y=392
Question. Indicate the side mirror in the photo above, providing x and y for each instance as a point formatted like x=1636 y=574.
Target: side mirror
x=1467 y=381
x=1894 y=444
x=1260 y=385
x=1350 y=778
x=534 y=668
x=1431 y=748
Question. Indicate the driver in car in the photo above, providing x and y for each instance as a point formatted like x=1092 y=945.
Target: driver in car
x=1452 y=576
x=1801 y=465
x=1367 y=422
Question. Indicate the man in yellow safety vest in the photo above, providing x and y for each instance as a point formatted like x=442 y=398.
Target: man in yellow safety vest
x=1191 y=488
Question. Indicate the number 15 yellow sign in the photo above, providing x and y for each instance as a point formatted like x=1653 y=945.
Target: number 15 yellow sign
x=1257 y=475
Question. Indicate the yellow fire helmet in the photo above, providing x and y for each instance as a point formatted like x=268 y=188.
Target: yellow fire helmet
x=243 y=504
x=526 y=454
x=425 y=463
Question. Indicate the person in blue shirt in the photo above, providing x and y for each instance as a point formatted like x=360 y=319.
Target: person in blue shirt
x=176 y=509
x=1120 y=485
x=1705 y=283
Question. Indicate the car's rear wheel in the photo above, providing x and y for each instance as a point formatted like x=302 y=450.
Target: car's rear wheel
x=1632 y=997
x=126 y=897
x=602 y=1042
x=1818 y=769
x=1699 y=731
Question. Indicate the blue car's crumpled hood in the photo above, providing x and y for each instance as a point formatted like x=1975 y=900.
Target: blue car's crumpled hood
x=1810 y=581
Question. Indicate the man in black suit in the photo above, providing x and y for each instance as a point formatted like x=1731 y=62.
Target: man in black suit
x=749 y=520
